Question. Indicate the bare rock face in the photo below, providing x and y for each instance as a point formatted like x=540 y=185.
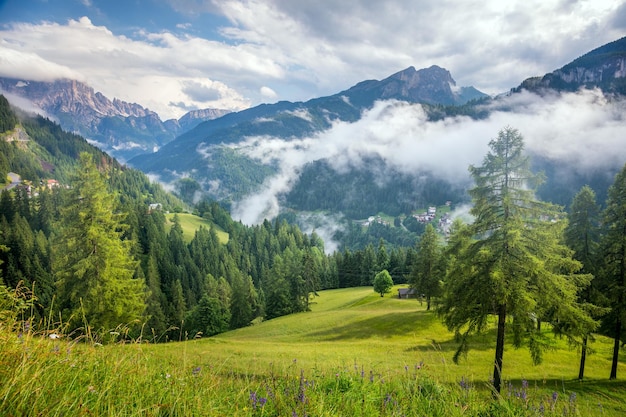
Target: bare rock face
x=606 y=70
x=433 y=85
x=603 y=68
x=120 y=128
x=195 y=117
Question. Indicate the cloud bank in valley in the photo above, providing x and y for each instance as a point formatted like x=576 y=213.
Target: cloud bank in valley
x=583 y=129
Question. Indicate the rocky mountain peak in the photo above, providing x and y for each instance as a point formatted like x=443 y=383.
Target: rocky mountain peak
x=433 y=85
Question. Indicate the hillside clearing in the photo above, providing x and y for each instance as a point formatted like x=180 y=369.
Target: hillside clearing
x=190 y=223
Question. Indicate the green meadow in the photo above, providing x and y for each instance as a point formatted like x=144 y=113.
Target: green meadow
x=190 y=223
x=354 y=354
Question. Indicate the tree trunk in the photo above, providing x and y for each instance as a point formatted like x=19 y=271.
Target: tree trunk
x=497 y=366
x=583 y=357
x=428 y=303
x=618 y=334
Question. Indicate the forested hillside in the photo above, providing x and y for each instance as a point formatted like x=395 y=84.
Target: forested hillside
x=74 y=197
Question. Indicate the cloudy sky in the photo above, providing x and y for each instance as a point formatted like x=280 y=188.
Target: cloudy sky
x=175 y=55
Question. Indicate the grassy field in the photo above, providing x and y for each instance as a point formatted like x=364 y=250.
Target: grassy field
x=190 y=223
x=355 y=353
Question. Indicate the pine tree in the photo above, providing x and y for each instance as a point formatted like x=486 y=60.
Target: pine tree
x=92 y=265
x=516 y=267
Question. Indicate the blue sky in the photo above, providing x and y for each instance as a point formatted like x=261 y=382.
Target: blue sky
x=172 y=56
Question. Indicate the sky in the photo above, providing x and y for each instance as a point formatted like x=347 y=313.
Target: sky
x=173 y=56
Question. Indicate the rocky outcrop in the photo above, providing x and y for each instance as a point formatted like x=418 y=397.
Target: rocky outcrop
x=195 y=117
x=120 y=128
x=433 y=85
x=603 y=68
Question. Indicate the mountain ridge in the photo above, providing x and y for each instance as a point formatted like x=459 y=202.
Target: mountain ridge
x=296 y=119
x=121 y=128
x=603 y=67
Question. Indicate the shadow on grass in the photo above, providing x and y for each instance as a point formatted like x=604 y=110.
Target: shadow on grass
x=384 y=325
x=484 y=341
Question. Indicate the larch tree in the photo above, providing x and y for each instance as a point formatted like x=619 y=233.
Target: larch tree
x=93 y=266
x=514 y=266
x=613 y=271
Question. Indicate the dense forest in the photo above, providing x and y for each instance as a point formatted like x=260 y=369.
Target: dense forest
x=183 y=288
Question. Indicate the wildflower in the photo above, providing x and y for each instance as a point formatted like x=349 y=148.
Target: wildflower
x=572 y=397
x=54 y=336
x=555 y=395
x=257 y=401
x=371 y=376
x=196 y=370
x=464 y=384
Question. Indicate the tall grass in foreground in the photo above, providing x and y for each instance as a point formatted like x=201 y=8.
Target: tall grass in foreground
x=43 y=376
x=46 y=377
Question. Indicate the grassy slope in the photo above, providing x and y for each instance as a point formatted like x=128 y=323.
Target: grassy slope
x=190 y=223
x=356 y=327
x=358 y=350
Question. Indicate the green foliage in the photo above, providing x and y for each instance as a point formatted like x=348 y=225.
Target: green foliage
x=93 y=266
x=517 y=266
x=8 y=119
x=426 y=275
x=613 y=270
x=383 y=282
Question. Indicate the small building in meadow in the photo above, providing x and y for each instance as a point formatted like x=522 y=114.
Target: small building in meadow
x=407 y=293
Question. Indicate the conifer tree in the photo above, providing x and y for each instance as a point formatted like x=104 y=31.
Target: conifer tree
x=582 y=236
x=614 y=266
x=93 y=267
x=425 y=275
x=516 y=266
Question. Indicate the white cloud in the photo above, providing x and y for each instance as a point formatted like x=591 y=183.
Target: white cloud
x=583 y=129
x=268 y=92
x=308 y=49
x=30 y=66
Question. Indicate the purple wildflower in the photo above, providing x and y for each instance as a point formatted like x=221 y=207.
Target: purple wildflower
x=196 y=370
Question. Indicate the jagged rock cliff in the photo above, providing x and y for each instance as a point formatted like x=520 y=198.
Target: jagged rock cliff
x=120 y=128
x=603 y=68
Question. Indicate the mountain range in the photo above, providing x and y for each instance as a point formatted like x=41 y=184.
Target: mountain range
x=120 y=128
x=388 y=146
